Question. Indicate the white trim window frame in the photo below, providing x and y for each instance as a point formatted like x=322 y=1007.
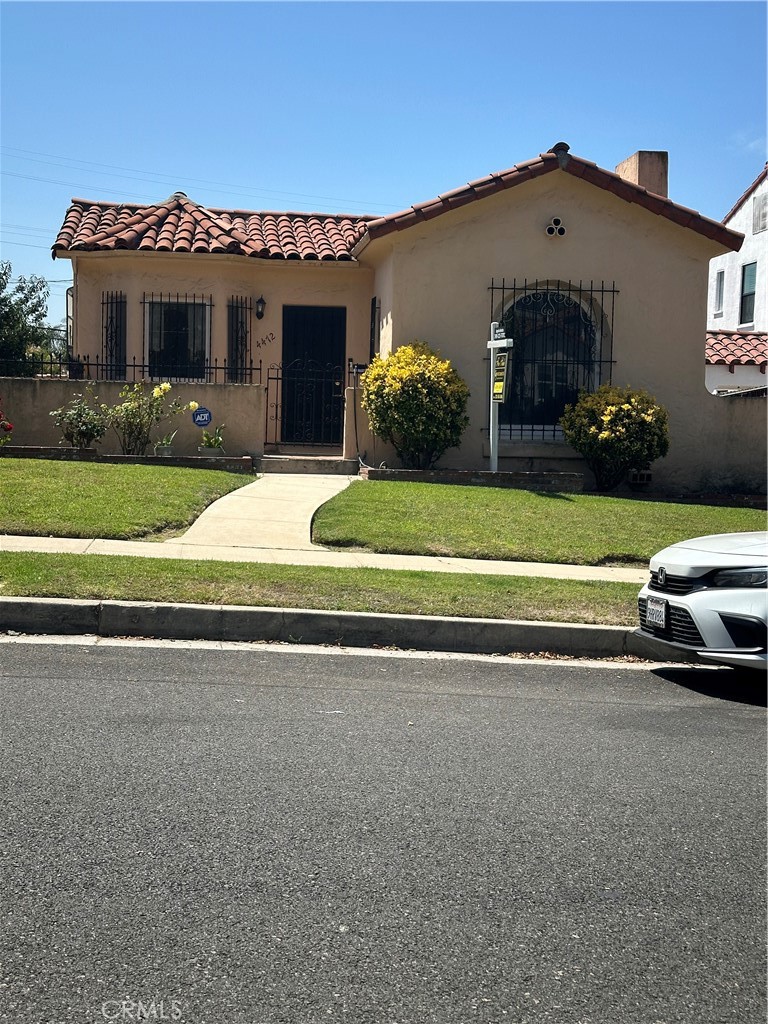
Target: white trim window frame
x=719 y=293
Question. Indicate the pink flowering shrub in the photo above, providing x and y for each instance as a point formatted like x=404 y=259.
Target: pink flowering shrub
x=6 y=428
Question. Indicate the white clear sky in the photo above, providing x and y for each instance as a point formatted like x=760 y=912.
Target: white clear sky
x=360 y=107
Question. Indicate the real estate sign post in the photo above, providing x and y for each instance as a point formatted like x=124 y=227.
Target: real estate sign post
x=498 y=345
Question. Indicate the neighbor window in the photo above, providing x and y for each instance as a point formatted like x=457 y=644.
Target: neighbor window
x=760 y=213
x=719 y=289
x=748 y=281
x=177 y=333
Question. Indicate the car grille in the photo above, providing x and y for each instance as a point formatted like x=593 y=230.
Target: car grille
x=681 y=630
x=674 y=584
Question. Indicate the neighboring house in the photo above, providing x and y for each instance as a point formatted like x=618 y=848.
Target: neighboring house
x=597 y=276
x=737 y=312
x=736 y=361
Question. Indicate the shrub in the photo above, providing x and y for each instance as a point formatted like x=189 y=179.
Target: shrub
x=81 y=421
x=140 y=411
x=615 y=430
x=6 y=428
x=416 y=401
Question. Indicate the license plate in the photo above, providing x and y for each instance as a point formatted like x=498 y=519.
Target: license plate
x=656 y=612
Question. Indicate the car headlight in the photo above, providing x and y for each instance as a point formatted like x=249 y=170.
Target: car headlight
x=741 y=578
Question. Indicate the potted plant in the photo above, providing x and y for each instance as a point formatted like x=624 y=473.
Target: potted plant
x=164 y=446
x=212 y=442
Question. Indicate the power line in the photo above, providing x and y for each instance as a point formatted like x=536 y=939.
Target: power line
x=27 y=245
x=27 y=228
x=151 y=177
x=73 y=184
x=48 y=280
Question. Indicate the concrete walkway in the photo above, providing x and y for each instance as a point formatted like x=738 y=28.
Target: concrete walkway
x=269 y=521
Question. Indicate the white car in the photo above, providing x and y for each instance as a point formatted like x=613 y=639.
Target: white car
x=707 y=600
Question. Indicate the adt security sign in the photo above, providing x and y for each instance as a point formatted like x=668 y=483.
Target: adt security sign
x=202 y=417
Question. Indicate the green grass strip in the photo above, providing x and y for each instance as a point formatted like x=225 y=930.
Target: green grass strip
x=492 y=522
x=110 y=577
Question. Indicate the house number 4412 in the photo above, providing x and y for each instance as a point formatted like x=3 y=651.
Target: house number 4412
x=266 y=340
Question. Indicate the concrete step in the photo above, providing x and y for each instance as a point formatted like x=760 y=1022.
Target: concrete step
x=325 y=464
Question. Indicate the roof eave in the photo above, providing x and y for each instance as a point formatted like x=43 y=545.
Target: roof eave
x=557 y=159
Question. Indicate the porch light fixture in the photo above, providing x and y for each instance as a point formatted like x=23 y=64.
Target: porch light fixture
x=260 y=304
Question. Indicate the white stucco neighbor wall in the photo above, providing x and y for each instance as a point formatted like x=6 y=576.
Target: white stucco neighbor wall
x=753 y=250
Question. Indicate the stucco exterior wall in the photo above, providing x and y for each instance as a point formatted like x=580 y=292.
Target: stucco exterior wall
x=281 y=283
x=753 y=250
x=659 y=270
x=724 y=378
x=739 y=429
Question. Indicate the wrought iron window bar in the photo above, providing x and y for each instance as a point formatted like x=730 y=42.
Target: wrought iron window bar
x=562 y=334
x=239 y=354
x=113 y=333
x=177 y=334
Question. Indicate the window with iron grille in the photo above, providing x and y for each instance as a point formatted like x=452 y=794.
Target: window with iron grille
x=70 y=318
x=374 y=341
x=748 y=287
x=239 y=358
x=562 y=336
x=177 y=332
x=113 y=335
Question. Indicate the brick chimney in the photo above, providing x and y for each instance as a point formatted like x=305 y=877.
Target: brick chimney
x=648 y=168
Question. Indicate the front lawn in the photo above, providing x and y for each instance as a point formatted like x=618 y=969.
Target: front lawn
x=492 y=522
x=42 y=497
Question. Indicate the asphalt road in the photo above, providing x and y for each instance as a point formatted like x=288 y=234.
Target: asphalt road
x=292 y=837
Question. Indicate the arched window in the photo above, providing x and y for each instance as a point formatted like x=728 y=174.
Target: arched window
x=558 y=333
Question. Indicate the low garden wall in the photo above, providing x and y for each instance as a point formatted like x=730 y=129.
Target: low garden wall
x=28 y=402
x=568 y=483
x=230 y=463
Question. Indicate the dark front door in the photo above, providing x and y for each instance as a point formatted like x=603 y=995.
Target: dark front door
x=312 y=401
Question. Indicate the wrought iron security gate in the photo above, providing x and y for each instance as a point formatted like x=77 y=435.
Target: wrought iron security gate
x=305 y=403
x=563 y=343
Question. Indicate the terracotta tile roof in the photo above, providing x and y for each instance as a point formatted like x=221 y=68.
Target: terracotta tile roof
x=730 y=348
x=740 y=202
x=556 y=158
x=181 y=225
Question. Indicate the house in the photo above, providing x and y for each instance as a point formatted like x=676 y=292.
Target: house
x=595 y=275
x=737 y=311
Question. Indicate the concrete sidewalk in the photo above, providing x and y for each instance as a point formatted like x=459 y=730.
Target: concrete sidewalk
x=270 y=520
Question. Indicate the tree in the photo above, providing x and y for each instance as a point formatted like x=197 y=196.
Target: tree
x=23 y=309
x=417 y=402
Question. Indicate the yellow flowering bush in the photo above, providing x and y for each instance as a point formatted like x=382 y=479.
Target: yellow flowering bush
x=616 y=429
x=134 y=418
x=417 y=402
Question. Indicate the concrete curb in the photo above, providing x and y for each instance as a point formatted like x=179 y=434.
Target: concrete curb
x=289 y=625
